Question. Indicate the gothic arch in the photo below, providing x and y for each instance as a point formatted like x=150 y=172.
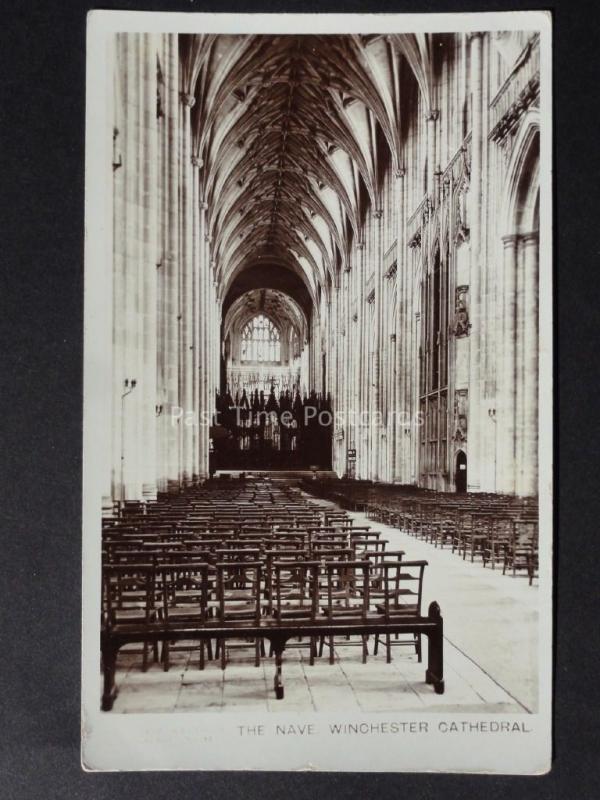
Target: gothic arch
x=517 y=434
x=522 y=182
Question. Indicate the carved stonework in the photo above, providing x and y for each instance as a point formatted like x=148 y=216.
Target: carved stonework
x=187 y=99
x=462 y=231
x=391 y=272
x=461 y=312
x=528 y=96
x=461 y=415
x=415 y=241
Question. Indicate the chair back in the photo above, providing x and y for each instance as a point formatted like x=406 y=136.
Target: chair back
x=347 y=585
x=295 y=589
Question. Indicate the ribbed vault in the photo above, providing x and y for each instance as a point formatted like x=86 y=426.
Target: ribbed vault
x=293 y=134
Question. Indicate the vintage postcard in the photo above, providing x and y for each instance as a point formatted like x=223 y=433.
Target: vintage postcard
x=317 y=492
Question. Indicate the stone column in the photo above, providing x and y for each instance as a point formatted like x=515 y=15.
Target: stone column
x=215 y=340
x=196 y=339
x=120 y=370
x=415 y=430
x=186 y=299
x=204 y=349
x=508 y=386
x=431 y=116
x=401 y=339
x=530 y=268
x=99 y=291
x=162 y=412
x=148 y=267
x=135 y=260
x=171 y=262
x=377 y=429
x=519 y=369
x=127 y=318
x=203 y=273
x=346 y=402
x=474 y=466
x=334 y=347
x=360 y=360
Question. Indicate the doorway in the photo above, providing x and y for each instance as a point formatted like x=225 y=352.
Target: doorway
x=461 y=472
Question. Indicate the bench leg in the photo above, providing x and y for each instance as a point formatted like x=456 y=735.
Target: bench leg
x=257 y=651
x=109 y=664
x=434 y=674
x=278 y=647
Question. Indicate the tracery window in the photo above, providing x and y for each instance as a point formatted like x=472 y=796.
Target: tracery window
x=261 y=341
x=434 y=369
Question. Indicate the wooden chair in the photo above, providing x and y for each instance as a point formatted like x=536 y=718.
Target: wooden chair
x=239 y=599
x=522 y=552
x=347 y=597
x=129 y=599
x=501 y=535
x=294 y=586
x=185 y=588
x=402 y=590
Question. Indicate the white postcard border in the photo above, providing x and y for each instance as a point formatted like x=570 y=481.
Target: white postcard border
x=208 y=741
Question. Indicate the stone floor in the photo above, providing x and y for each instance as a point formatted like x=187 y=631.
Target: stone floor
x=490 y=657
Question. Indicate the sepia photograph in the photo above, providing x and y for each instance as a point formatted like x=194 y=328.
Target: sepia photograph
x=317 y=476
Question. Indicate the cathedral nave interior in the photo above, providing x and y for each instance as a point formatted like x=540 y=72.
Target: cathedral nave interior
x=319 y=315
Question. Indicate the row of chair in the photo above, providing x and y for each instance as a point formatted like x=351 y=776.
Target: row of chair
x=498 y=530
x=177 y=573
x=286 y=588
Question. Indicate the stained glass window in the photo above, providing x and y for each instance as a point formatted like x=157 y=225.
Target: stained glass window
x=260 y=341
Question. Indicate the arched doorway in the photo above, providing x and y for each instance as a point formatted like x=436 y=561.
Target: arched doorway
x=460 y=477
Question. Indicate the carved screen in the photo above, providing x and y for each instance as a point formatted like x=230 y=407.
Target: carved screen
x=434 y=370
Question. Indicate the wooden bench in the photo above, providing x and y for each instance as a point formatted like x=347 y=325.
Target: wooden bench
x=277 y=634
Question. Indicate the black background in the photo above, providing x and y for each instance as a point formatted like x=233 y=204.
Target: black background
x=42 y=103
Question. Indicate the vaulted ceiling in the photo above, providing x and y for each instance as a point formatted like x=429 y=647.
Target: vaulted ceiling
x=294 y=134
